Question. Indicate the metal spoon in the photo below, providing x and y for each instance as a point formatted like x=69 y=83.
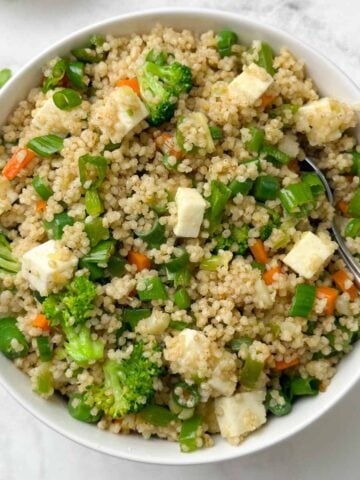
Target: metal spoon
x=344 y=252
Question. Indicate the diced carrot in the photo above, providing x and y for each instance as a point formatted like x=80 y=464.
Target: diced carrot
x=40 y=321
x=342 y=206
x=129 y=82
x=40 y=206
x=342 y=280
x=294 y=166
x=139 y=259
x=259 y=252
x=166 y=143
x=268 y=275
x=331 y=295
x=20 y=159
x=267 y=99
x=284 y=365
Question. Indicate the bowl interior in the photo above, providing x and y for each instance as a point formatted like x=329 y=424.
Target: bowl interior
x=331 y=82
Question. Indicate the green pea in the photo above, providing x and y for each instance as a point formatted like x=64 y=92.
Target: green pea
x=225 y=40
x=9 y=332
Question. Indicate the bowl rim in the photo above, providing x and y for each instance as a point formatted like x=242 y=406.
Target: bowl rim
x=234 y=452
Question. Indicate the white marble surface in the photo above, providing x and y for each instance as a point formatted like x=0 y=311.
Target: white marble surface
x=326 y=450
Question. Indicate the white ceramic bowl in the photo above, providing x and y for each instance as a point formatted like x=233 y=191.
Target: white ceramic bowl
x=330 y=81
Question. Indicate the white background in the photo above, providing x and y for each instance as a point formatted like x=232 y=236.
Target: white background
x=329 y=449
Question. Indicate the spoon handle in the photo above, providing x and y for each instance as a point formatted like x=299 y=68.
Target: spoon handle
x=347 y=257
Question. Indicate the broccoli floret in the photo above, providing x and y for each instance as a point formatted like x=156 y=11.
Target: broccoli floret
x=128 y=385
x=75 y=302
x=223 y=243
x=160 y=87
x=81 y=347
x=241 y=236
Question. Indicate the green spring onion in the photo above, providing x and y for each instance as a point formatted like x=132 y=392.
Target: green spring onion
x=87 y=55
x=67 y=99
x=314 y=182
x=132 y=316
x=219 y=196
x=254 y=161
x=177 y=270
x=212 y=263
x=116 y=265
x=256 y=141
x=266 y=231
x=266 y=58
x=55 y=228
x=76 y=74
x=96 y=40
x=155 y=237
x=266 y=188
x=167 y=164
x=157 y=415
x=178 y=263
x=356 y=163
x=152 y=289
x=283 y=110
x=8 y=263
x=294 y=196
x=240 y=187
x=96 y=231
x=274 y=154
x=80 y=410
x=225 y=41
x=44 y=348
x=354 y=205
x=5 y=75
x=352 y=228
x=95 y=272
x=182 y=278
x=43 y=381
x=101 y=253
x=185 y=395
x=236 y=343
x=304 y=386
x=258 y=265
x=9 y=332
x=93 y=203
x=47 y=145
x=111 y=147
x=190 y=433
x=42 y=188
x=251 y=372
x=56 y=76
x=182 y=299
x=280 y=408
x=216 y=133
x=303 y=301
x=178 y=325
x=92 y=170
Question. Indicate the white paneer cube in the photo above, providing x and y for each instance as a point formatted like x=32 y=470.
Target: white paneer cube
x=240 y=414
x=223 y=379
x=324 y=120
x=309 y=255
x=250 y=85
x=289 y=145
x=47 y=266
x=119 y=112
x=190 y=212
x=156 y=324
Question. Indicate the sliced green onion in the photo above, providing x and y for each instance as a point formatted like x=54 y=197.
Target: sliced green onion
x=236 y=343
x=282 y=110
x=304 y=386
x=153 y=289
x=111 y=147
x=100 y=255
x=43 y=381
x=314 y=182
x=275 y=154
x=190 y=433
x=44 y=348
x=258 y=265
x=356 y=163
x=266 y=188
x=266 y=58
x=255 y=161
x=46 y=145
x=157 y=415
x=182 y=278
x=178 y=325
x=266 y=231
x=212 y=263
x=251 y=372
x=93 y=203
x=182 y=299
x=87 y=55
x=185 y=395
x=280 y=407
x=219 y=196
x=354 y=205
x=294 y=196
x=8 y=263
x=5 y=75
x=116 y=265
x=216 y=133
x=10 y=335
x=132 y=316
x=178 y=263
x=95 y=272
x=96 y=231
x=155 y=237
x=76 y=74
x=310 y=328
x=303 y=301
x=67 y=99
x=92 y=170
x=240 y=187
x=55 y=228
x=97 y=40
x=80 y=410
x=167 y=164
x=256 y=141
x=352 y=228
x=57 y=74
x=225 y=41
x=42 y=188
